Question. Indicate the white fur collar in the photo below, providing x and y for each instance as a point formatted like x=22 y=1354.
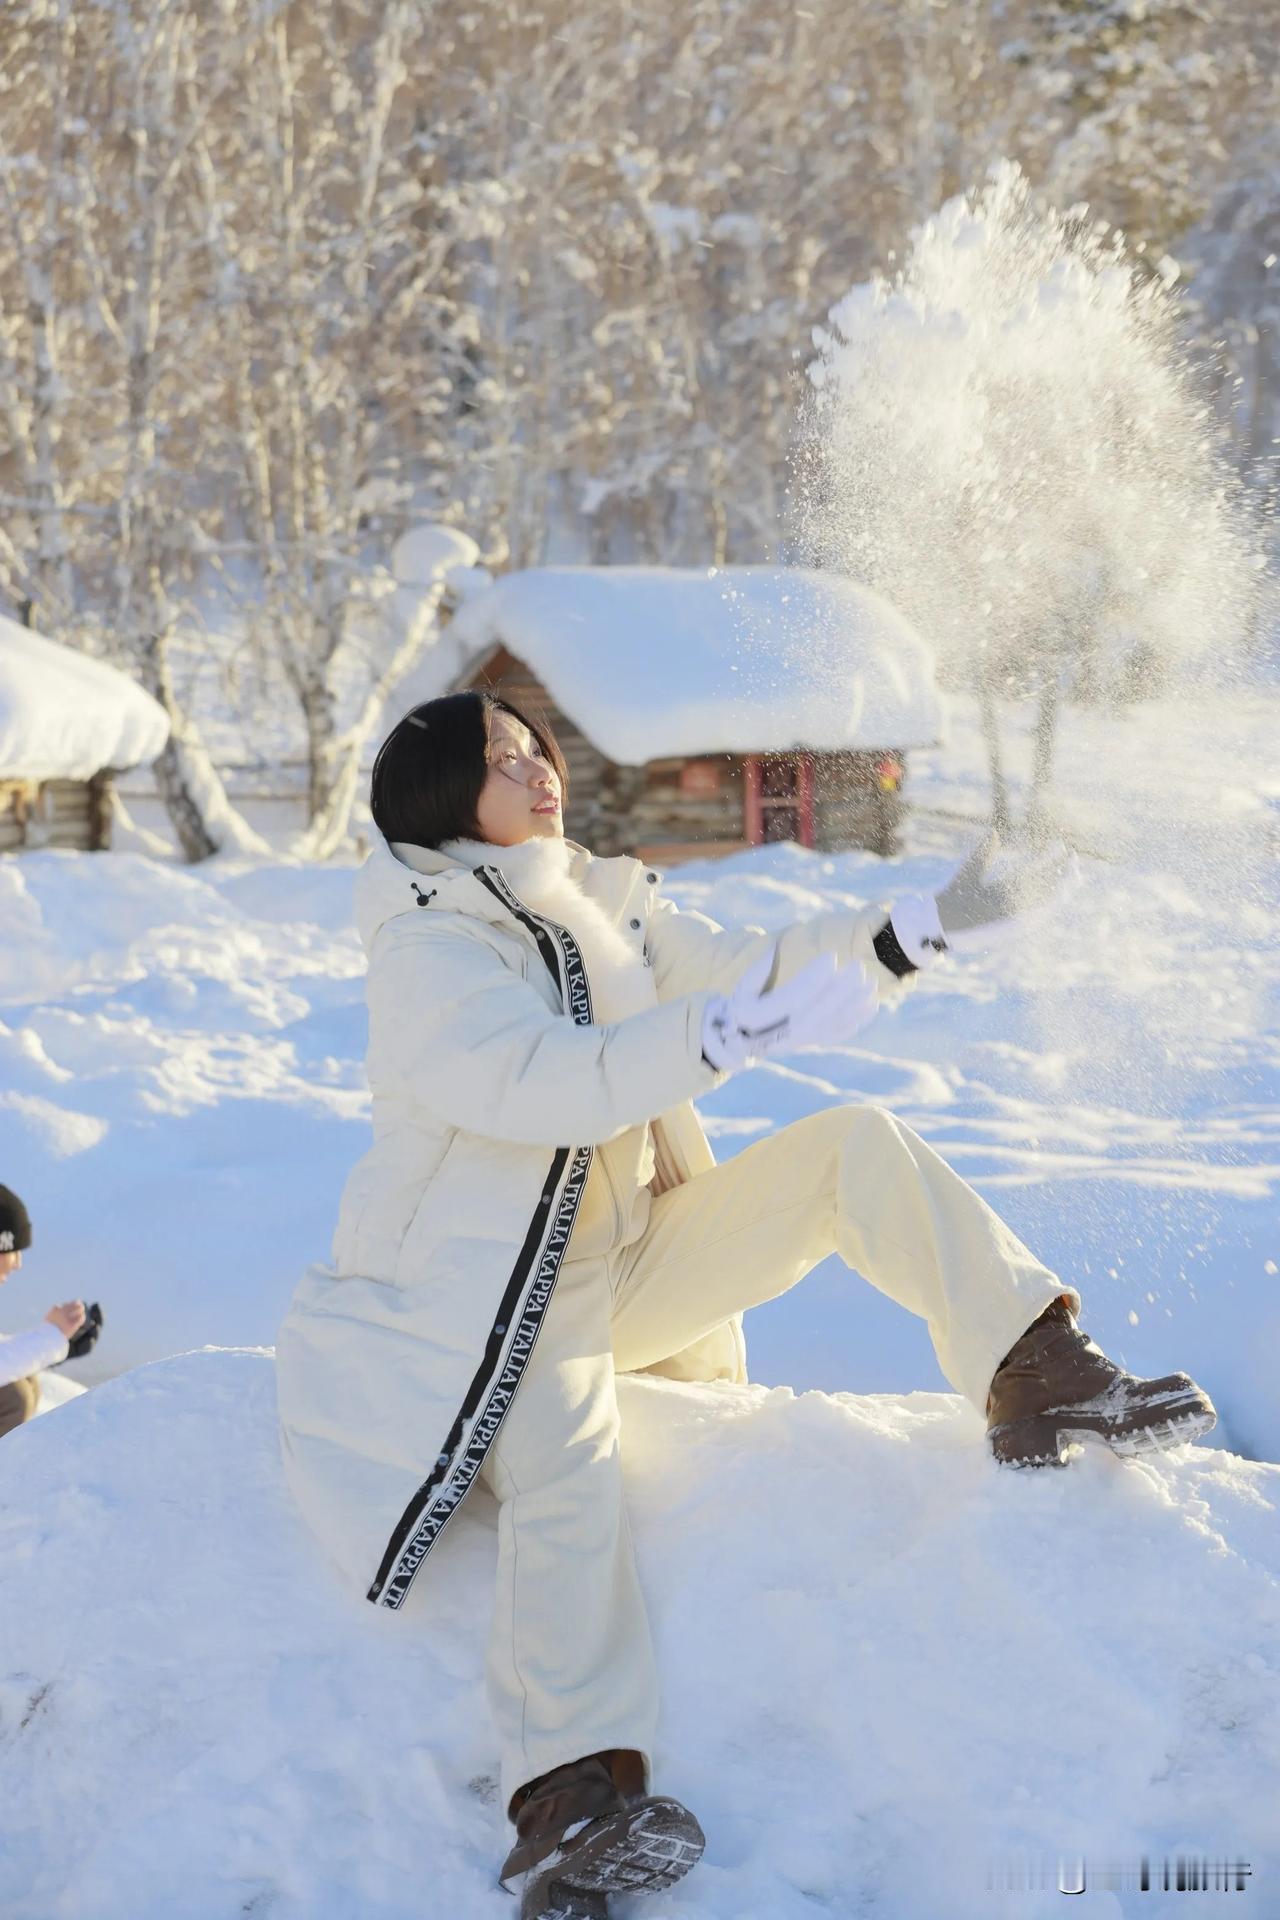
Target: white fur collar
x=530 y=858
x=538 y=870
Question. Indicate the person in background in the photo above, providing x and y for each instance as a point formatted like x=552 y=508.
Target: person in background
x=65 y=1333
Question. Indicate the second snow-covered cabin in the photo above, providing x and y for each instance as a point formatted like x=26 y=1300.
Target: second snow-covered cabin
x=704 y=710
x=68 y=724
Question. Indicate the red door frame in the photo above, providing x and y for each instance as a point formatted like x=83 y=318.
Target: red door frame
x=754 y=803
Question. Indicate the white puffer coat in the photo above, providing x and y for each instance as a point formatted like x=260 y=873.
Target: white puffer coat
x=493 y=1090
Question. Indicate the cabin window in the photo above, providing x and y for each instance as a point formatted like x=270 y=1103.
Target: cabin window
x=777 y=798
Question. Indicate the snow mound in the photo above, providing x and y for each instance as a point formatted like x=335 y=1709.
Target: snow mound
x=653 y=662
x=181 y=1090
x=55 y=1391
x=65 y=715
x=888 y=1666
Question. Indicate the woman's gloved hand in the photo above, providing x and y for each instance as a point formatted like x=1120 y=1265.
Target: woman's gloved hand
x=821 y=1005
x=986 y=898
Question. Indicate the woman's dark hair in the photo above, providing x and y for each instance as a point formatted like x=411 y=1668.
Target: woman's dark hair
x=430 y=768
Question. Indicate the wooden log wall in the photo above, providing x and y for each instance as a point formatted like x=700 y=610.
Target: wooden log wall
x=55 y=813
x=670 y=804
x=850 y=809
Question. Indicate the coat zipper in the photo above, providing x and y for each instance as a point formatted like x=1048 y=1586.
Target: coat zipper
x=419 y=1526
x=566 y=933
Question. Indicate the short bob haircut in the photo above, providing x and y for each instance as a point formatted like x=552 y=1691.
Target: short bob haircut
x=430 y=768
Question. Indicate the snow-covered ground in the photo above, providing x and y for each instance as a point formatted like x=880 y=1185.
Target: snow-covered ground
x=182 y=1089
x=888 y=1668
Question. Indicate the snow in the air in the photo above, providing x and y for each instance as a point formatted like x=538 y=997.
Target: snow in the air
x=65 y=715
x=660 y=661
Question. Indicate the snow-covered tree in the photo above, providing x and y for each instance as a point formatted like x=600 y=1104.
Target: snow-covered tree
x=1234 y=261
x=117 y=350
x=42 y=314
x=162 y=346
x=1128 y=93
x=277 y=283
x=336 y=332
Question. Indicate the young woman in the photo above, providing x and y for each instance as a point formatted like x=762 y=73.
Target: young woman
x=540 y=1209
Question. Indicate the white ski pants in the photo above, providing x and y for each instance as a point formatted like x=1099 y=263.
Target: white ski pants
x=570 y=1665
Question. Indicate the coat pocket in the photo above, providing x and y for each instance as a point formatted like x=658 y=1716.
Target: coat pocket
x=429 y=1222
x=483 y=1194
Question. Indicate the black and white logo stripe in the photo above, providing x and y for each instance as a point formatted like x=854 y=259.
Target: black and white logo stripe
x=524 y=1301
x=556 y=944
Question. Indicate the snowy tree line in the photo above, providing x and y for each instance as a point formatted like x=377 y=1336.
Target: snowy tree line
x=278 y=280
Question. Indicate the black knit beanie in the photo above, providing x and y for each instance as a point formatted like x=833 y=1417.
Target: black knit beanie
x=15 y=1223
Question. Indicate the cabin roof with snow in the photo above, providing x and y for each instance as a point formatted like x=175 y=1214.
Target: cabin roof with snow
x=660 y=662
x=67 y=716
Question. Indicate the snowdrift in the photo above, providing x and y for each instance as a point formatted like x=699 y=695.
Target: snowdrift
x=889 y=1667
x=182 y=1090
x=55 y=1390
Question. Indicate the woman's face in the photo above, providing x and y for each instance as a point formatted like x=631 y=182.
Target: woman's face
x=8 y=1262
x=520 y=799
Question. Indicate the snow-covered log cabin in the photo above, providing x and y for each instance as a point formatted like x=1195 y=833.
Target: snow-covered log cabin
x=68 y=723
x=703 y=710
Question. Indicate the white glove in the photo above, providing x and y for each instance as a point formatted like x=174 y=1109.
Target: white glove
x=918 y=930
x=820 y=1005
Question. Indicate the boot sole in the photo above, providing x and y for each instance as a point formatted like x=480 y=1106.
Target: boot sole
x=558 y=1902
x=644 y=1849
x=1172 y=1419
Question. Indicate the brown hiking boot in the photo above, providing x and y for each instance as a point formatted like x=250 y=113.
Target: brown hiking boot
x=588 y=1829
x=1055 y=1384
